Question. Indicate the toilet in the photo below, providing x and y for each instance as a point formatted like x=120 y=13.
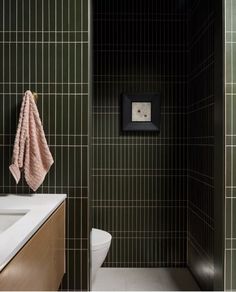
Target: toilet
x=100 y=244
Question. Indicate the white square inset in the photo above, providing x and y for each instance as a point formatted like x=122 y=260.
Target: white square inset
x=141 y=112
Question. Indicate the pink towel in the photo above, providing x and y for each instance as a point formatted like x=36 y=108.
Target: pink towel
x=31 y=152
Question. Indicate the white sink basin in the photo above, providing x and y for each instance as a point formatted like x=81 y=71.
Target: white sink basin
x=9 y=217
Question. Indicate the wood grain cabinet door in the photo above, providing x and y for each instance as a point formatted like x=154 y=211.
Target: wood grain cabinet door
x=40 y=264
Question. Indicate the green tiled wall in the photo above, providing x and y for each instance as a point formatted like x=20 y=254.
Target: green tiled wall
x=155 y=192
x=230 y=143
x=201 y=143
x=140 y=179
x=44 y=47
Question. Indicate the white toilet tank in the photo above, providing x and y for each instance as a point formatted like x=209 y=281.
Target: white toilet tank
x=100 y=242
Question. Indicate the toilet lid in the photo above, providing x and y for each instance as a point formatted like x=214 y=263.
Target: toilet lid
x=99 y=238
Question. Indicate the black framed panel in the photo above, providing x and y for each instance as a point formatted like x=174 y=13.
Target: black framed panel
x=141 y=112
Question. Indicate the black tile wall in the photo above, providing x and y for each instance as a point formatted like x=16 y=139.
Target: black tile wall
x=44 y=47
x=201 y=143
x=140 y=179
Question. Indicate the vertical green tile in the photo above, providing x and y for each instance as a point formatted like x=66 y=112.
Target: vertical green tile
x=41 y=52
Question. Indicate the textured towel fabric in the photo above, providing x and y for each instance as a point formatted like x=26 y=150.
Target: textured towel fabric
x=31 y=153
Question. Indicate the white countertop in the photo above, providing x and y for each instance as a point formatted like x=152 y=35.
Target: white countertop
x=38 y=206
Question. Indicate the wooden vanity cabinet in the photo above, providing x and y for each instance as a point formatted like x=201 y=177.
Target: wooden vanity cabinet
x=40 y=264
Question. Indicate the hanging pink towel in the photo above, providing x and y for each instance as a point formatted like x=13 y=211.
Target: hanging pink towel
x=31 y=153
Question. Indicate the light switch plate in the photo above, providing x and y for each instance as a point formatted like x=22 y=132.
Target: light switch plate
x=141 y=112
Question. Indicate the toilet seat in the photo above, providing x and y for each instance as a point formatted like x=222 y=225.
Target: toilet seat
x=99 y=239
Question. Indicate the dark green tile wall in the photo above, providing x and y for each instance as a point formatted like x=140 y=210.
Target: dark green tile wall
x=201 y=143
x=44 y=47
x=140 y=179
x=205 y=150
x=230 y=142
